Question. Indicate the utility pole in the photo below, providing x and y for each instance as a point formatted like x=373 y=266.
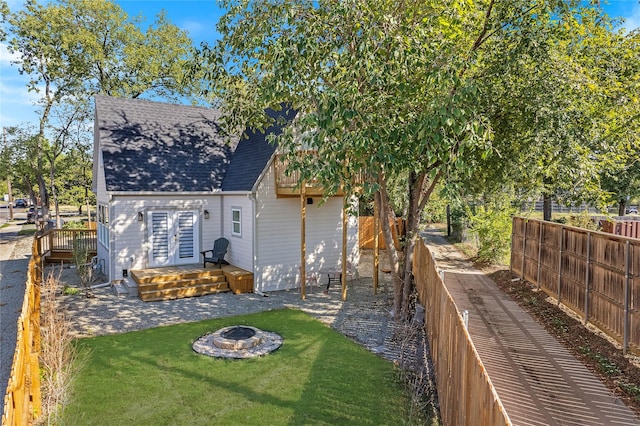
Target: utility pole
x=4 y=140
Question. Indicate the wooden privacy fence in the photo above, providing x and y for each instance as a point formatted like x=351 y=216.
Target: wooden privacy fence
x=465 y=392
x=365 y=233
x=594 y=273
x=628 y=228
x=22 y=402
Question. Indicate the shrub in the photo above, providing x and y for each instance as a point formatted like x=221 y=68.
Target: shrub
x=60 y=360
x=492 y=226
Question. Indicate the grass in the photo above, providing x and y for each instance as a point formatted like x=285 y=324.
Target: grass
x=153 y=377
x=27 y=231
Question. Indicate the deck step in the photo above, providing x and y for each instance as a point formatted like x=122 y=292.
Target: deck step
x=180 y=291
x=148 y=276
x=181 y=282
x=120 y=290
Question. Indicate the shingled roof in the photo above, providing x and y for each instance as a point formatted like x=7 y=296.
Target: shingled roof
x=160 y=147
x=252 y=154
x=154 y=146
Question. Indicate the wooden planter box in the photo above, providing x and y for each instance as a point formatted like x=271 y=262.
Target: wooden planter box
x=240 y=281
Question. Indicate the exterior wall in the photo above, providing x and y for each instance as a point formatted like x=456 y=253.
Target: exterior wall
x=101 y=185
x=129 y=237
x=240 y=251
x=278 y=222
x=102 y=198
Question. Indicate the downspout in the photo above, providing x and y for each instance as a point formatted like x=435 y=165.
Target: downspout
x=254 y=248
x=222 y=215
x=111 y=241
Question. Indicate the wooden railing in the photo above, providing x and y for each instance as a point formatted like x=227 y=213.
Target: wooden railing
x=288 y=185
x=68 y=240
x=22 y=401
x=465 y=392
x=596 y=274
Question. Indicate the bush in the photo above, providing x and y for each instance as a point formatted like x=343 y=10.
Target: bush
x=492 y=225
x=459 y=222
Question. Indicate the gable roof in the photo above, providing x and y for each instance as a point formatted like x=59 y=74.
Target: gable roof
x=160 y=147
x=152 y=146
x=253 y=153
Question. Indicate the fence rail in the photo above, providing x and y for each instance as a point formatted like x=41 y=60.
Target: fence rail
x=594 y=273
x=465 y=392
x=22 y=401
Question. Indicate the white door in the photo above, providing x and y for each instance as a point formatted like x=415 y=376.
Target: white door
x=173 y=237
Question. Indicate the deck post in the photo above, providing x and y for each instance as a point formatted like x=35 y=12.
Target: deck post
x=344 y=247
x=303 y=243
x=376 y=249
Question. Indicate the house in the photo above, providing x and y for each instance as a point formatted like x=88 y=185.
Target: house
x=169 y=183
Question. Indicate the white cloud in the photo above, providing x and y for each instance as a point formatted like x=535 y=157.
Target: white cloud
x=632 y=21
x=7 y=57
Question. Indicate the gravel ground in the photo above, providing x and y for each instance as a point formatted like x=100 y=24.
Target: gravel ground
x=364 y=317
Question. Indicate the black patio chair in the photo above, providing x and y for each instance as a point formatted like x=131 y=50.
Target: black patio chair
x=220 y=247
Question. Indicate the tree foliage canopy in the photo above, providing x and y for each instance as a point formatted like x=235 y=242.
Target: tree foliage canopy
x=416 y=91
x=74 y=49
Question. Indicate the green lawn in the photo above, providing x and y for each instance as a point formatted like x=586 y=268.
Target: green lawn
x=153 y=377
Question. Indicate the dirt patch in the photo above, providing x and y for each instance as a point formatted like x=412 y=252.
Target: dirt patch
x=602 y=357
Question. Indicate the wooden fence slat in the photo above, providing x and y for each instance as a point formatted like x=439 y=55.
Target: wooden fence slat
x=596 y=274
x=465 y=391
x=366 y=236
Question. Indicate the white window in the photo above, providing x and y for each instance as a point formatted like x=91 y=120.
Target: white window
x=103 y=225
x=236 y=222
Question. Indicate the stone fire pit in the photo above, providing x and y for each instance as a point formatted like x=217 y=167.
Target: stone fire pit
x=238 y=342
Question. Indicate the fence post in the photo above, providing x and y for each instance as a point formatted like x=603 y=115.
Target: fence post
x=560 y=262
x=586 y=283
x=524 y=246
x=541 y=224
x=513 y=233
x=627 y=267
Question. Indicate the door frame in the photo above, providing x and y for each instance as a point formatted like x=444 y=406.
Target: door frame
x=173 y=241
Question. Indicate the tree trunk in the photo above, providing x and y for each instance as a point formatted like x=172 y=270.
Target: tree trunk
x=54 y=194
x=412 y=235
x=392 y=254
x=622 y=207
x=546 y=207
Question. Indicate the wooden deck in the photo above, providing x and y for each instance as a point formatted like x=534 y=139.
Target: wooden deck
x=64 y=256
x=176 y=282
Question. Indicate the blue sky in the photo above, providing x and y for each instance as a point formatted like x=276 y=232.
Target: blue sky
x=198 y=18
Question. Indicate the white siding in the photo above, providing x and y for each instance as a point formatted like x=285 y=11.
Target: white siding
x=240 y=251
x=129 y=236
x=102 y=198
x=278 y=237
x=101 y=186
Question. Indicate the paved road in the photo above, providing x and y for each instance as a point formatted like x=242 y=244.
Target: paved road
x=14 y=261
x=538 y=380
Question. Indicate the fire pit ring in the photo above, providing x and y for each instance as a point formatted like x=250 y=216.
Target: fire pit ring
x=238 y=342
